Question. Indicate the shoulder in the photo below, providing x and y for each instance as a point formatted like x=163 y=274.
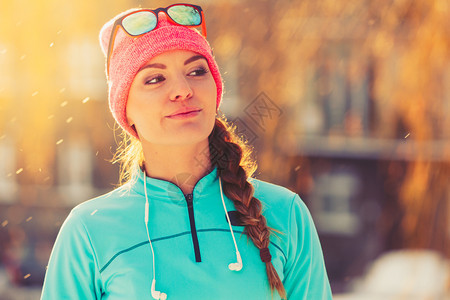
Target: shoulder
x=102 y=214
x=280 y=204
x=105 y=222
x=105 y=202
x=273 y=195
x=285 y=212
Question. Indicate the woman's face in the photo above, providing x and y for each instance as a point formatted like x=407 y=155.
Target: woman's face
x=170 y=83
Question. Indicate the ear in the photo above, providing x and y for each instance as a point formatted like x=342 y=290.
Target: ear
x=130 y=121
x=133 y=127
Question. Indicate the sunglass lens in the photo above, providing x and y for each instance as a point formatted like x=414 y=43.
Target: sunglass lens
x=139 y=23
x=185 y=15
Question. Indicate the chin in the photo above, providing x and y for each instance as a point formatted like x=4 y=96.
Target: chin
x=191 y=139
x=188 y=137
x=181 y=136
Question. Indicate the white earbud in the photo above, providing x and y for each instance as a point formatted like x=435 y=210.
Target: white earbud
x=237 y=266
x=157 y=294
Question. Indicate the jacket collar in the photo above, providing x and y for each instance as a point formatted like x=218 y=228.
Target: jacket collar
x=160 y=189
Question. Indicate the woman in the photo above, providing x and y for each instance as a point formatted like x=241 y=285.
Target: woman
x=190 y=222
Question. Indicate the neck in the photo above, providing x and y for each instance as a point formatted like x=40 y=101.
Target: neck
x=182 y=165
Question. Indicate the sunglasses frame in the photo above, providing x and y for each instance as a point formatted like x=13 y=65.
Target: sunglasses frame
x=118 y=23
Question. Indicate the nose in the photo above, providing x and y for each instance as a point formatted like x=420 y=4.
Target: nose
x=181 y=89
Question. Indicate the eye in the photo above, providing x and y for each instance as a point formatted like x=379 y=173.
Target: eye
x=199 y=71
x=154 y=80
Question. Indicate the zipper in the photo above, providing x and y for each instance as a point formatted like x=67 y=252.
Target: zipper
x=190 y=205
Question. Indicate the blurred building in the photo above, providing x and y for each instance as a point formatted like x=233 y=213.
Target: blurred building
x=347 y=104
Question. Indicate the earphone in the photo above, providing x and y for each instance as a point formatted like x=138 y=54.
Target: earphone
x=155 y=294
x=237 y=266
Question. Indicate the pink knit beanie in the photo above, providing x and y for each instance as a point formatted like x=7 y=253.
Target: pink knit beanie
x=131 y=53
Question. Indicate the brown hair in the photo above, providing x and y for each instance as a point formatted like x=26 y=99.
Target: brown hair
x=232 y=156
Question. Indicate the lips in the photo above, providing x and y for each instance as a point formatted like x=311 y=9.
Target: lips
x=184 y=110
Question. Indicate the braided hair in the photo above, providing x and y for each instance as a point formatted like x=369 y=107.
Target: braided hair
x=235 y=166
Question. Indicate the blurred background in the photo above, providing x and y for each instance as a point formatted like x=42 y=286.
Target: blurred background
x=346 y=102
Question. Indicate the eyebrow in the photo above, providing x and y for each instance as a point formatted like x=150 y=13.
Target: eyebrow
x=162 y=66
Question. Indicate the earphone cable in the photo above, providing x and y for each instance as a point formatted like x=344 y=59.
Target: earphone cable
x=229 y=223
x=146 y=223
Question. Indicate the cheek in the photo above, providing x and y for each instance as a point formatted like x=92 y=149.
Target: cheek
x=148 y=126
x=143 y=116
x=210 y=91
x=137 y=116
x=141 y=105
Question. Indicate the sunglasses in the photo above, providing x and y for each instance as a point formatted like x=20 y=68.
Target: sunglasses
x=143 y=21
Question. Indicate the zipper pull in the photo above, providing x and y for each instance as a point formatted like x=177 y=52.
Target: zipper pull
x=189 y=199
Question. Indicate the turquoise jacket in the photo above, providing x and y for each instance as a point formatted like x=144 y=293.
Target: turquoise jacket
x=102 y=250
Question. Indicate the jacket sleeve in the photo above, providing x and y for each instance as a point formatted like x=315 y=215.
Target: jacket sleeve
x=72 y=271
x=305 y=273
